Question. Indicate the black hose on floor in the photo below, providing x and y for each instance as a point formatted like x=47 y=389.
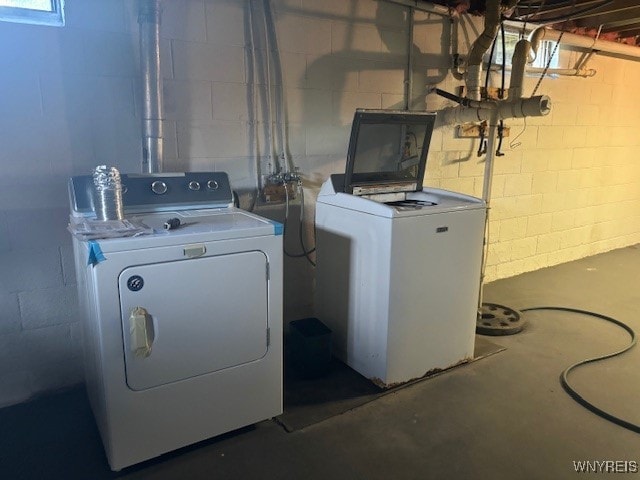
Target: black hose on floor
x=564 y=377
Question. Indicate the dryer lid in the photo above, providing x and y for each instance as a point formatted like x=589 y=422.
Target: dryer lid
x=387 y=151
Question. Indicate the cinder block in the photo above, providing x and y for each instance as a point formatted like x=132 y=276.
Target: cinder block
x=108 y=16
x=203 y=61
x=394 y=41
x=382 y=77
x=392 y=101
x=462 y=185
x=549 y=137
x=13 y=353
x=55 y=376
x=562 y=220
x=499 y=253
x=40 y=228
x=564 y=113
x=552 y=202
x=185 y=20
x=518 y=184
x=569 y=180
x=328 y=140
x=588 y=114
x=332 y=72
x=583 y=157
x=355 y=40
x=471 y=167
x=291 y=33
x=346 y=103
x=547 y=243
x=317 y=36
x=5 y=244
x=117 y=141
x=187 y=100
x=535 y=262
x=544 y=182
x=497 y=186
x=577 y=198
x=25 y=98
x=30 y=269
x=107 y=96
x=538 y=224
x=506 y=270
x=110 y=53
x=534 y=161
x=513 y=228
x=10 y=318
x=510 y=163
x=47 y=345
x=294 y=69
x=212 y=140
x=226 y=22
x=574 y=136
x=241 y=171
x=15 y=387
x=50 y=306
x=336 y=8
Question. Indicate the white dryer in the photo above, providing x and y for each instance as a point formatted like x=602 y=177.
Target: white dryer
x=182 y=327
x=398 y=265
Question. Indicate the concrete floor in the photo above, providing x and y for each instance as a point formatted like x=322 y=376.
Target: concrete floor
x=502 y=417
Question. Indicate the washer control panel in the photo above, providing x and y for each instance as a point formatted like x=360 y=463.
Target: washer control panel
x=158 y=191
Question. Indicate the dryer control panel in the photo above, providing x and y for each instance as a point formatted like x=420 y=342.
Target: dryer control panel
x=157 y=192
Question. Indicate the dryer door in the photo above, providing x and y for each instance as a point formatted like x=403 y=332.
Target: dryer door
x=186 y=318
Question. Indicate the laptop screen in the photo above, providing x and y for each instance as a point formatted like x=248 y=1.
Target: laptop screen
x=388 y=147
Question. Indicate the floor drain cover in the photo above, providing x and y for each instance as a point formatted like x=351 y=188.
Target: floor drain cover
x=498 y=320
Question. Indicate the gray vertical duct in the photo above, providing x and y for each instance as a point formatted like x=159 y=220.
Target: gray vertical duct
x=149 y=19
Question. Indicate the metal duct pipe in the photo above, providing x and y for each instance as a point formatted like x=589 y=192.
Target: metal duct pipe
x=149 y=20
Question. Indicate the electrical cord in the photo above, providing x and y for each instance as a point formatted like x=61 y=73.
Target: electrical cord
x=564 y=377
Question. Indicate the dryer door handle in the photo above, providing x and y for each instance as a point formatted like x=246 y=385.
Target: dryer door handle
x=141 y=331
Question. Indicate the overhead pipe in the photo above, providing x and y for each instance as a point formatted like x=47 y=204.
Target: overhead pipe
x=423 y=6
x=583 y=41
x=480 y=47
x=149 y=20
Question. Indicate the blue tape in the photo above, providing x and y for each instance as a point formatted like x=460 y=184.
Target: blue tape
x=278 y=228
x=95 y=253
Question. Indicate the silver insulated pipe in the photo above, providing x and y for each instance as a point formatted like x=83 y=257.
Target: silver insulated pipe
x=149 y=19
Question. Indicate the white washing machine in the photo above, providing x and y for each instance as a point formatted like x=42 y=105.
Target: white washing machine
x=182 y=327
x=398 y=265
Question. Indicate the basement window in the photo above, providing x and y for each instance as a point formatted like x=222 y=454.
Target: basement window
x=546 y=49
x=36 y=12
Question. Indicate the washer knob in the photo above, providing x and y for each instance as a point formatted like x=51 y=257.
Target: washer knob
x=159 y=187
x=212 y=185
x=193 y=185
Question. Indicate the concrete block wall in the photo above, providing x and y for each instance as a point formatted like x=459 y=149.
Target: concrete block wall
x=70 y=100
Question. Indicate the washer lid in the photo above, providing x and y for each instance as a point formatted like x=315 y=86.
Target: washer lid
x=387 y=151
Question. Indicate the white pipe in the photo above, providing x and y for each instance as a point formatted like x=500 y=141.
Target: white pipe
x=582 y=41
x=571 y=72
x=480 y=47
x=427 y=7
x=537 y=106
x=518 y=64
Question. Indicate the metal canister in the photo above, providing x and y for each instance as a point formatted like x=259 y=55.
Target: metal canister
x=108 y=193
